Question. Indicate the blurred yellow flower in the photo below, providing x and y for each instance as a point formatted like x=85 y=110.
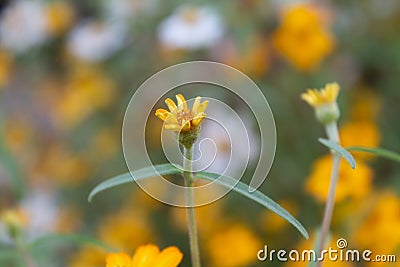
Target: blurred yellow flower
x=253 y=59
x=380 y=231
x=15 y=220
x=87 y=90
x=125 y=229
x=352 y=183
x=302 y=38
x=180 y=118
x=118 y=260
x=74 y=169
x=146 y=256
x=365 y=105
x=5 y=67
x=88 y=256
x=273 y=223
x=233 y=246
x=360 y=133
x=59 y=16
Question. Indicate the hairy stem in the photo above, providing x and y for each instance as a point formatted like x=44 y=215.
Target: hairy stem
x=190 y=210
x=333 y=135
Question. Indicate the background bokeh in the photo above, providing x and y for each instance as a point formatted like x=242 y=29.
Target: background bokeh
x=69 y=68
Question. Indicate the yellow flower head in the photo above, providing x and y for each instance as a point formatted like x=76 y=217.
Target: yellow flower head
x=180 y=118
x=15 y=221
x=324 y=102
x=327 y=95
x=146 y=256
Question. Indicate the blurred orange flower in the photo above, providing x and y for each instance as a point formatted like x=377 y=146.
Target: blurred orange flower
x=302 y=38
x=352 y=183
x=86 y=90
x=380 y=231
x=233 y=246
x=5 y=66
x=125 y=230
x=60 y=15
x=146 y=256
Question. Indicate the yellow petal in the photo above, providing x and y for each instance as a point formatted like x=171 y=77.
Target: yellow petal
x=173 y=127
x=196 y=105
x=118 y=259
x=145 y=256
x=186 y=126
x=202 y=107
x=162 y=114
x=198 y=119
x=169 y=257
x=171 y=105
x=182 y=106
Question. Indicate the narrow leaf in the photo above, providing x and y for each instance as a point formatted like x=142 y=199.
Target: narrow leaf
x=70 y=238
x=129 y=177
x=384 y=153
x=340 y=150
x=256 y=196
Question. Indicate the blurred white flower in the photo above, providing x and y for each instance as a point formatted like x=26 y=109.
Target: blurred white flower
x=191 y=28
x=232 y=143
x=94 y=41
x=23 y=24
x=42 y=210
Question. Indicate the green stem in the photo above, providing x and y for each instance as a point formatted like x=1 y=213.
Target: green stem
x=190 y=210
x=24 y=254
x=333 y=135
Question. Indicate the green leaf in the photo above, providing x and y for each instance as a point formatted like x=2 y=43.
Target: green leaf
x=70 y=238
x=129 y=177
x=384 y=153
x=256 y=196
x=8 y=253
x=340 y=150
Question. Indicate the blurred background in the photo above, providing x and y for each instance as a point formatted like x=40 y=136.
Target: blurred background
x=69 y=68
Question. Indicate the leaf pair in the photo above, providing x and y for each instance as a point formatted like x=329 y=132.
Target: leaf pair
x=225 y=181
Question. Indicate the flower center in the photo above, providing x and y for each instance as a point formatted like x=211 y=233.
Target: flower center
x=190 y=15
x=185 y=115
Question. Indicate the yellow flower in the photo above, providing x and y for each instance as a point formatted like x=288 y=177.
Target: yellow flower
x=146 y=256
x=15 y=221
x=352 y=183
x=380 y=231
x=180 y=118
x=59 y=15
x=86 y=90
x=324 y=102
x=118 y=260
x=88 y=256
x=125 y=229
x=327 y=95
x=234 y=246
x=5 y=67
x=360 y=133
x=302 y=38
